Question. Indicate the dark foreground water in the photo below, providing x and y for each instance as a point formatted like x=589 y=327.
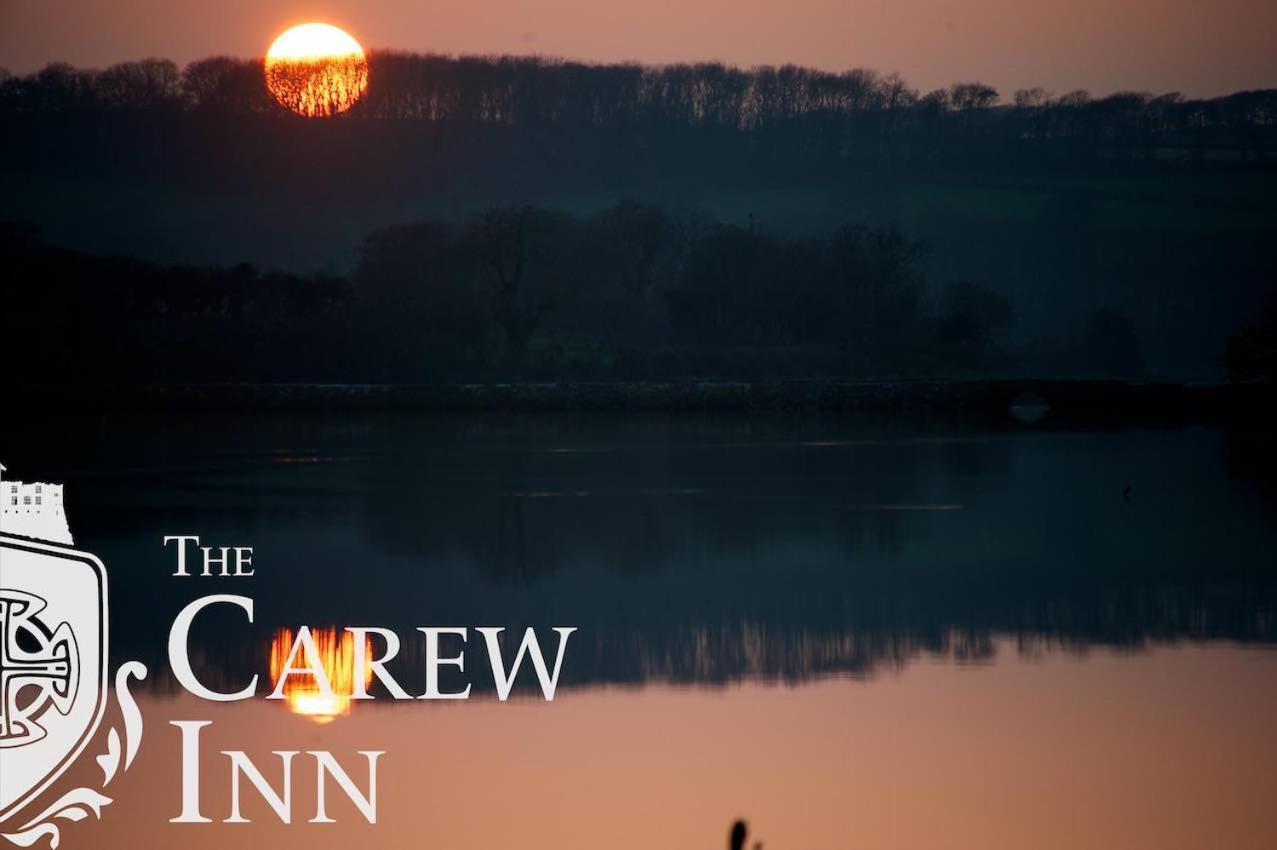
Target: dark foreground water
x=854 y=634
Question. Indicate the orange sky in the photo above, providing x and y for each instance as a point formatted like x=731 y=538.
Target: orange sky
x=1159 y=45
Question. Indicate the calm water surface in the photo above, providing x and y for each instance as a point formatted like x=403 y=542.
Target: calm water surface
x=877 y=635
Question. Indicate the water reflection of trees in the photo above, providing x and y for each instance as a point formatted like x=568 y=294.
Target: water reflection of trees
x=531 y=501
x=1249 y=456
x=688 y=550
x=721 y=652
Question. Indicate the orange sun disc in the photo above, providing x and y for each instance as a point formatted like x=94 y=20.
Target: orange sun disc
x=316 y=70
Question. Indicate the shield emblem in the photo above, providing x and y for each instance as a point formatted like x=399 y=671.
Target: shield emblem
x=53 y=658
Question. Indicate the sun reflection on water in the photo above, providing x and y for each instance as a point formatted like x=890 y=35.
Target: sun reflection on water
x=336 y=656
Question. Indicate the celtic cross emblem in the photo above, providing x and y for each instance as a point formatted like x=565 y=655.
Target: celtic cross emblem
x=54 y=667
x=38 y=668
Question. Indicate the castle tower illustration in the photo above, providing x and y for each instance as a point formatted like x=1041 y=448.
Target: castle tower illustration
x=33 y=510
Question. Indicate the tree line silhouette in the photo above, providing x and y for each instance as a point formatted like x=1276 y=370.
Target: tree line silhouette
x=1087 y=235
x=317 y=87
x=855 y=113
x=631 y=292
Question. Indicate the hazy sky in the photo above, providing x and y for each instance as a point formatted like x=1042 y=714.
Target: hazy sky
x=1193 y=46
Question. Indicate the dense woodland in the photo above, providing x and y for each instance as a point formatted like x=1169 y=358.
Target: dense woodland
x=467 y=216
x=828 y=114
x=631 y=292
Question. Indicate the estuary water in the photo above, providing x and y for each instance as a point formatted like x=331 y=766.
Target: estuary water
x=853 y=634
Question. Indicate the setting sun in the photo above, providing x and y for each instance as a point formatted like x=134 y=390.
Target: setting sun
x=316 y=69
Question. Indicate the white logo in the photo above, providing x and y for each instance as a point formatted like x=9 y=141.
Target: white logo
x=51 y=665
x=53 y=669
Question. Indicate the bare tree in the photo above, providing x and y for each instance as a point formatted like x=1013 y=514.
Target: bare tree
x=505 y=248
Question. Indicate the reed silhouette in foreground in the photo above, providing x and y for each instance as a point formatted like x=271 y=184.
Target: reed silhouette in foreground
x=736 y=838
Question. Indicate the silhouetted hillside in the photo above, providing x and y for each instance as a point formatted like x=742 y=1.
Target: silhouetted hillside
x=1158 y=209
x=855 y=113
x=633 y=292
